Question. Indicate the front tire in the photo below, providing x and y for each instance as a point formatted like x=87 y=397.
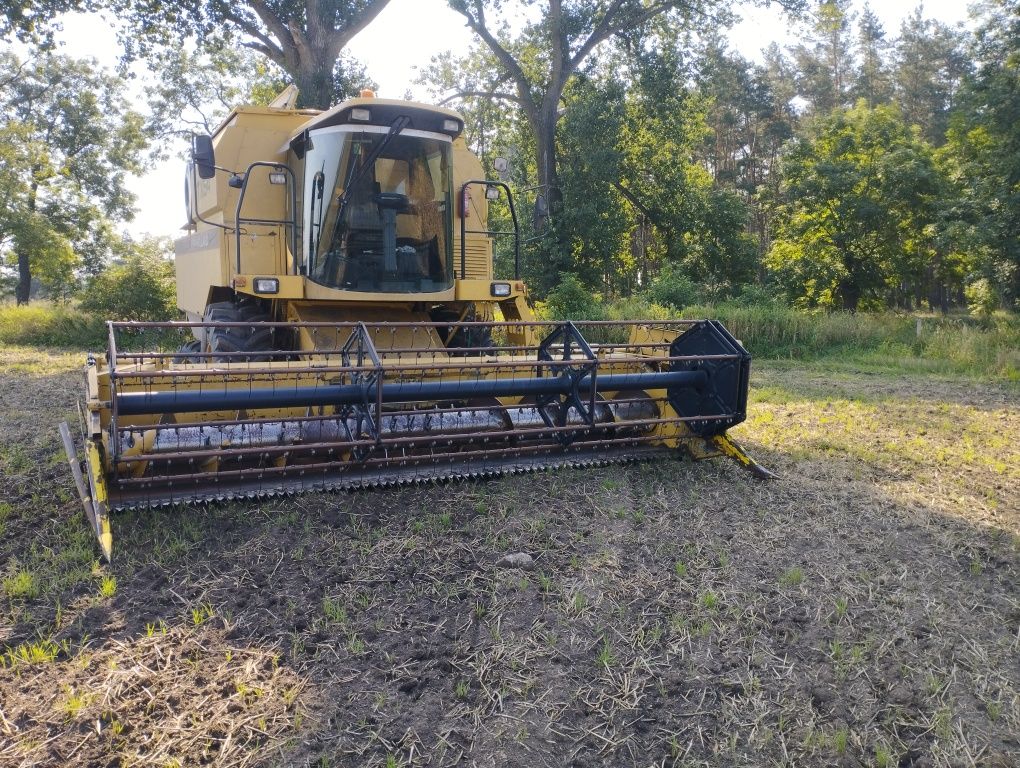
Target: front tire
x=243 y=337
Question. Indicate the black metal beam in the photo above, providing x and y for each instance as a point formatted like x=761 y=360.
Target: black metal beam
x=193 y=401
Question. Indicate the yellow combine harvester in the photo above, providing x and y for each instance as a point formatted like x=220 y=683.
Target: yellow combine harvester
x=346 y=330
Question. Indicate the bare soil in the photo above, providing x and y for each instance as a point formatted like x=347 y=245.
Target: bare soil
x=861 y=610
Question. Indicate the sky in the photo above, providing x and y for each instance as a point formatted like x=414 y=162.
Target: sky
x=401 y=41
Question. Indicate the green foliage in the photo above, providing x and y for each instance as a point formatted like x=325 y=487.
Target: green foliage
x=982 y=300
x=931 y=62
x=21 y=585
x=860 y=193
x=33 y=21
x=601 y=152
x=572 y=300
x=825 y=57
x=309 y=49
x=672 y=288
x=196 y=89
x=955 y=344
x=594 y=219
x=50 y=253
x=140 y=287
x=67 y=141
x=108 y=586
x=983 y=150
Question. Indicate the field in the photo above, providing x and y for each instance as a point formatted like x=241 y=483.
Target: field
x=861 y=610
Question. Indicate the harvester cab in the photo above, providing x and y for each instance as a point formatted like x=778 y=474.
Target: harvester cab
x=345 y=329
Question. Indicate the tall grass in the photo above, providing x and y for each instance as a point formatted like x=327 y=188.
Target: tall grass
x=952 y=344
x=42 y=324
x=67 y=326
x=955 y=344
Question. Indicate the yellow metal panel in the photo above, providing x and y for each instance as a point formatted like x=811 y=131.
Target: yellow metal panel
x=248 y=134
x=384 y=339
x=199 y=263
x=478 y=257
x=481 y=290
x=291 y=286
x=478 y=254
x=262 y=250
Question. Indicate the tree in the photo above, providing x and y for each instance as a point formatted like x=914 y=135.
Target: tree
x=873 y=82
x=825 y=65
x=930 y=65
x=860 y=192
x=196 y=90
x=304 y=39
x=30 y=20
x=983 y=151
x=531 y=70
x=139 y=285
x=701 y=224
x=69 y=140
x=749 y=123
x=595 y=218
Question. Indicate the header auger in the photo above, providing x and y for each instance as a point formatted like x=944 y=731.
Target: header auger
x=345 y=330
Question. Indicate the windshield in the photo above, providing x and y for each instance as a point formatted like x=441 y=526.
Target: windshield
x=380 y=226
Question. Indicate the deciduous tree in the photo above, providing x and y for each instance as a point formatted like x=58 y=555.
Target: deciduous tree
x=68 y=142
x=531 y=68
x=860 y=191
x=304 y=38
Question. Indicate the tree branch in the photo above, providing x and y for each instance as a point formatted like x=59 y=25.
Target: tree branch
x=481 y=94
x=560 y=46
x=606 y=29
x=505 y=58
x=633 y=200
x=366 y=17
x=285 y=47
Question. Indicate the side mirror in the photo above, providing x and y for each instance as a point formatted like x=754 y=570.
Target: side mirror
x=203 y=156
x=492 y=193
x=502 y=166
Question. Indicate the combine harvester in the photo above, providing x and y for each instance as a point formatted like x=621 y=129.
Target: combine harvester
x=347 y=331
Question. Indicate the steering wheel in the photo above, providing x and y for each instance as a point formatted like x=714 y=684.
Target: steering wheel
x=393 y=201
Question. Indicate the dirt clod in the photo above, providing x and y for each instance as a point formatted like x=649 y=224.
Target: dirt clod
x=521 y=560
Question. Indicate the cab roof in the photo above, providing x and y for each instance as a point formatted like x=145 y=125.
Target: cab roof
x=423 y=117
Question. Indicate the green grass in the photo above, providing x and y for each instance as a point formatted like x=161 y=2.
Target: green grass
x=22 y=584
x=793 y=577
x=108 y=586
x=41 y=652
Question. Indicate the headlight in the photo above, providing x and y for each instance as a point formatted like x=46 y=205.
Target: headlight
x=267 y=285
x=500 y=290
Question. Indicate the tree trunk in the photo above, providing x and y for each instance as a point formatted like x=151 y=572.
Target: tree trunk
x=315 y=86
x=23 y=293
x=24 y=290
x=545 y=157
x=849 y=294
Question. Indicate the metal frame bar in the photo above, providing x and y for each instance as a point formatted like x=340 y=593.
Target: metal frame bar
x=291 y=222
x=464 y=231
